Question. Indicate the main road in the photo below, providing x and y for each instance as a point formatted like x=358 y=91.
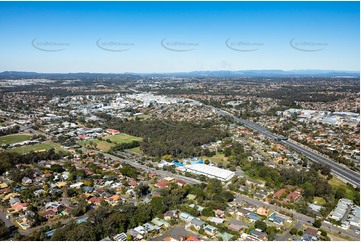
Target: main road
x=128 y=159
x=337 y=169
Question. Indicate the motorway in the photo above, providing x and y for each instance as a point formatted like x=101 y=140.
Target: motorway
x=337 y=169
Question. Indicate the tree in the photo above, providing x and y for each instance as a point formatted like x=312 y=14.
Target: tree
x=157 y=205
x=317 y=223
x=293 y=231
x=208 y=212
x=56 y=168
x=323 y=232
x=325 y=170
x=4 y=231
x=340 y=193
x=261 y=225
x=227 y=195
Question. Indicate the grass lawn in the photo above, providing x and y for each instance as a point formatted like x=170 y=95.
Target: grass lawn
x=122 y=138
x=218 y=158
x=336 y=183
x=119 y=138
x=135 y=150
x=43 y=146
x=319 y=200
x=14 y=138
x=101 y=145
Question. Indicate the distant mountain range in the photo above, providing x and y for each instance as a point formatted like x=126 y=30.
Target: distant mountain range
x=200 y=74
x=258 y=73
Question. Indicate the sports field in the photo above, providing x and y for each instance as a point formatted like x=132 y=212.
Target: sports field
x=115 y=139
x=14 y=138
x=37 y=147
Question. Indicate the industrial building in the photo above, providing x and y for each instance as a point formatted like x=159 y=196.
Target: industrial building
x=343 y=206
x=210 y=171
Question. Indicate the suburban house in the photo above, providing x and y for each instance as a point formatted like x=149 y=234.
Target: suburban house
x=263 y=211
x=170 y=214
x=186 y=217
x=216 y=220
x=276 y=219
x=120 y=237
x=253 y=217
x=26 y=181
x=293 y=196
x=219 y=213
x=259 y=234
x=162 y=184
x=197 y=223
x=211 y=230
x=279 y=193
x=242 y=212
x=160 y=222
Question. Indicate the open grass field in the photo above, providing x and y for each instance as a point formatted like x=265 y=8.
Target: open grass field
x=218 y=158
x=43 y=146
x=115 y=139
x=336 y=183
x=136 y=150
x=122 y=138
x=100 y=144
x=103 y=145
x=14 y=138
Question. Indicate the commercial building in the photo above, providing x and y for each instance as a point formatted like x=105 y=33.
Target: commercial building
x=341 y=209
x=210 y=171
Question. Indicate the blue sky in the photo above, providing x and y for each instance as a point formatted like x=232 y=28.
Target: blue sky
x=178 y=36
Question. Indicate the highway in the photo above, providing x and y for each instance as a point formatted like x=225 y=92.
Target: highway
x=337 y=169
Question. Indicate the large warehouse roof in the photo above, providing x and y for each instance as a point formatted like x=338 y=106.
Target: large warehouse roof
x=211 y=171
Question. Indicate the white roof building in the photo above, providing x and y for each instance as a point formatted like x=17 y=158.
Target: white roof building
x=342 y=206
x=210 y=171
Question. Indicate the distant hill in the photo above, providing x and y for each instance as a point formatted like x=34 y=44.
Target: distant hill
x=81 y=75
x=200 y=74
x=259 y=73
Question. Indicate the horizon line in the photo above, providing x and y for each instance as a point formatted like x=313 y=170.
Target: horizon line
x=176 y=72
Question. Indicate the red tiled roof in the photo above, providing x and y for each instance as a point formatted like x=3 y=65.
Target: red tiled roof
x=95 y=199
x=181 y=182
x=162 y=184
x=279 y=193
x=293 y=195
x=191 y=238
